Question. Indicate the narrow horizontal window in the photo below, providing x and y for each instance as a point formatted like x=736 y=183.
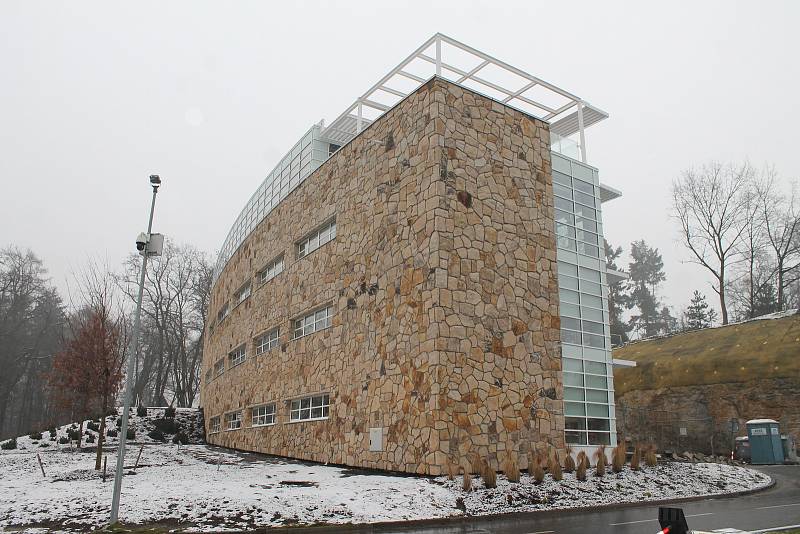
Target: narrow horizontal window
x=214 y=425
x=310 y=408
x=271 y=270
x=219 y=367
x=233 y=420
x=317 y=238
x=237 y=355
x=223 y=312
x=267 y=341
x=312 y=322
x=263 y=415
x=242 y=294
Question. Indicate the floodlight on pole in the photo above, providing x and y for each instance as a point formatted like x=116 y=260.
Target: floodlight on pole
x=142 y=244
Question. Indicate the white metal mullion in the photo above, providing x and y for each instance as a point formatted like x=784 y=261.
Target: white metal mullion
x=393 y=91
x=473 y=71
x=359 y=119
x=560 y=110
x=411 y=76
x=503 y=64
x=516 y=94
x=376 y=105
x=438 y=55
x=580 y=129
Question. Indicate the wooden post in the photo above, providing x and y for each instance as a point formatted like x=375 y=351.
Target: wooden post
x=219 y=461
x=40 y=464
x=138 y=456
x=105 y=464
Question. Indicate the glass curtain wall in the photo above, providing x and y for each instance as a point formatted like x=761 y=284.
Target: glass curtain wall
x=583 y=292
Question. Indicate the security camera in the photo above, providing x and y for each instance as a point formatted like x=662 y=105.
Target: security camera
x=141 y=241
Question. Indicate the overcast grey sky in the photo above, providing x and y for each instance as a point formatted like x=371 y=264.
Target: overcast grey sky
x=95 y=96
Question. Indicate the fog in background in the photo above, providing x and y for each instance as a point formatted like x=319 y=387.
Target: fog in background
x=95 y=96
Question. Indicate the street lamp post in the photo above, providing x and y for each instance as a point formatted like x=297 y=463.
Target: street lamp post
x=133 y=348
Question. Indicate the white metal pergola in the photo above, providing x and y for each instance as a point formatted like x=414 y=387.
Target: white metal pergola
x=455 y=61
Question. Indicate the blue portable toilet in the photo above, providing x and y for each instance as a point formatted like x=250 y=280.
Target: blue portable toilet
x=765 y=441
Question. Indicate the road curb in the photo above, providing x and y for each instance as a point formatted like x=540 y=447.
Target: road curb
x=466 y=519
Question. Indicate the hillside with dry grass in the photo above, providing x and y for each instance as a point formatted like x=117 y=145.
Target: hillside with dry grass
x=743 y=352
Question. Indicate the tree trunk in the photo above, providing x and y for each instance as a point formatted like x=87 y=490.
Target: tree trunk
x=101 y=433
x=722 y=306
x=780 y=284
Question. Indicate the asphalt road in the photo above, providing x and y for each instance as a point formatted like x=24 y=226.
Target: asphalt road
x=776 y=507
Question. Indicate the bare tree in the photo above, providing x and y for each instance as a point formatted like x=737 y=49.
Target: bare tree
x=176 y=295
x=31 y=318
x=710 y=205
x=781 y=216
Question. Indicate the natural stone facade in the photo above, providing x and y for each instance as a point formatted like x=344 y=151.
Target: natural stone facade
x=442 y=277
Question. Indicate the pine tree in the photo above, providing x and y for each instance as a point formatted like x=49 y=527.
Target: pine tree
x=699 y=314
x=647 y=273
x=617 y=298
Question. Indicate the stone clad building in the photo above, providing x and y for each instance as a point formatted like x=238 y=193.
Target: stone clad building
x=393 y=302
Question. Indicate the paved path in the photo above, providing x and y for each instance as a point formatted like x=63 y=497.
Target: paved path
x=775 y=507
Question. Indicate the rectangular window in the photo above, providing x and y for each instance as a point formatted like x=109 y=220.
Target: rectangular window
x=213 y=425
x=310 y=408
x=263 y=415
x=223 y=312
x=317 y=238
x=267 y=341
x=237 y=355
x=209 y=375
x=242 y=294
x=219 y=367
x=312 y=322
x=273 y=269
x=233 y=420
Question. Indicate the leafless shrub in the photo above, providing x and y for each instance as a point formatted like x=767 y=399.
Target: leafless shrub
x=555 y=466
x=538 y=470
x=511 y=467
x=583 y=463
x=451 y=470
x=600 y=458
x=618 y=457
x=489 y=475
x=635 y=459
x=569 y=462
x=466 y=483
x=650 y=456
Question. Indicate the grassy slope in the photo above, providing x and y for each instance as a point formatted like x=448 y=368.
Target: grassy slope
x=736 y=353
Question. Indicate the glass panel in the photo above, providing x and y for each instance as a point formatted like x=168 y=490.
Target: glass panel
x=594 y=302
x=588 y=237
x=562 y=191
x=594 y=340
x=599 y=438
x=595 y=368
x=575 y=438
x=584 y=211
x=591 y=313
x=576 y=394
x=574 y=408
x=573 y=379
x=597 y=410
x=568 y=282
x=598 y=382
x=567 y=268
x=593 y=395
x=583 y=198
x=564 y=217
x=580 y=185
x=561 y=178
x=571 y=324
x=586 y=224
x=568 y=336
x=599 y=424
x=562 y=204
x=570 y=296
x=591 y=287
x=569 y=309
x=594 y=328
x=574 y=423
x=572 y=365
x=565 y=230
x=564 y=242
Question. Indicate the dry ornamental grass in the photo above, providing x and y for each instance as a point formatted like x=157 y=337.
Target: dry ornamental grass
x=635 y=459
x=555 y=466
x=569 y=462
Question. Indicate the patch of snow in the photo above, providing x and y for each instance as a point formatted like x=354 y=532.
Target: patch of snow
x=207 y=488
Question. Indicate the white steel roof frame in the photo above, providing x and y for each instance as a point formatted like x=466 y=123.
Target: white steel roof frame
x=352 y=121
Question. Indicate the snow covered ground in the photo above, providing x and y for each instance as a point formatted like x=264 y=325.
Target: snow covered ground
x=201 y=488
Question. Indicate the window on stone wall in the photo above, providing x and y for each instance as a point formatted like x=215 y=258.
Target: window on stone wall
x=222 y=313
x=268 y=341
x=271 y=270
x=242 y=294
x=219 y=367
x=312 y=322
x=310 y=408
x=317 y=238
x=238 y=355
x=213 y=425
x=233 y=420
x=209 y=375
x=263 y=415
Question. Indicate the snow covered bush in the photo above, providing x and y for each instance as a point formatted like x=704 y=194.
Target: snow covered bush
x=91 y=425
x=9 y=445
x=112 y=433
x=35 y=436
x=156 y=435
x=141 y=411
x=181 y=438
x=169 y=412
x=90 y=438
x=63 y=440
x=74 y=434
x=166 y=426
x=131 y=433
